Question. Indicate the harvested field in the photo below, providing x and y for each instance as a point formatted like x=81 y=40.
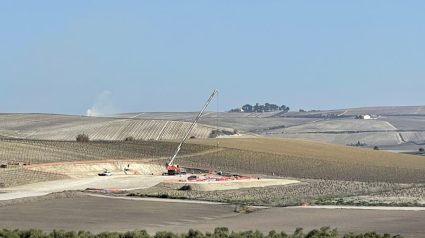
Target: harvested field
x=384 y=111
x=370 y=138
x=302 y=167
x=416 y=137
x=406 y=122
x=341 y=125
x=318 y=151
x=63 y=127
x=256 y=125
x=242 y=121
x=190 y=116
x=77 y=214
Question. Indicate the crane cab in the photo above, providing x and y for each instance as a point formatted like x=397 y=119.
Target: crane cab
x=173 y=169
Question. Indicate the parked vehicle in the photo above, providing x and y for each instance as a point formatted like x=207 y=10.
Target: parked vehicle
x=105 y=173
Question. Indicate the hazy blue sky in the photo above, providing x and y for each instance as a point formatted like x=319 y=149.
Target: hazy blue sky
x=59 y=56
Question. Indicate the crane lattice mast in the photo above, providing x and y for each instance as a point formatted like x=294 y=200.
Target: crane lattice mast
x=173 y=156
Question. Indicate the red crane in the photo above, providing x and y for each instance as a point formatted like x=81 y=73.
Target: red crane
x=175 y=169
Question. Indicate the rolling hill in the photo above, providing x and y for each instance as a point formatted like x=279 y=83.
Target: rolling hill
x=67 y=127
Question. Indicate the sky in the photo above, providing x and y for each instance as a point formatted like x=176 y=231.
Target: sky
x=69 y=57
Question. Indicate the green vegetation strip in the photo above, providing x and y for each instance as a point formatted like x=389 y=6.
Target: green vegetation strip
x=219 y=232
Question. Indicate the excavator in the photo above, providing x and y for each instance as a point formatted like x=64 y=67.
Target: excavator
x=175 y=169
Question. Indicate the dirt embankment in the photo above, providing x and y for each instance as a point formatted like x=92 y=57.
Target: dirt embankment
x=226 y=185
x=51 y=196
x=92 y=168
x=283 y=195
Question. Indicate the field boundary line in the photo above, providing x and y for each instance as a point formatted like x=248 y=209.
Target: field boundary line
x=162 y=130
x=160 y=199
x=137 y=115
x=395 y=128
x=365 y=208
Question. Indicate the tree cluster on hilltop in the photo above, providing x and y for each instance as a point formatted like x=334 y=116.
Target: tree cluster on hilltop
x=267 y=107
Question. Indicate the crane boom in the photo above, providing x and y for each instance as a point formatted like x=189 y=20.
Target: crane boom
x=173 y=156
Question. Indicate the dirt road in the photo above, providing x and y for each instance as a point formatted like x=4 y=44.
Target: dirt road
x=117 y=181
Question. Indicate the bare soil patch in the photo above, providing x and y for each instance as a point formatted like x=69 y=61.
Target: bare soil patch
x=104 y=214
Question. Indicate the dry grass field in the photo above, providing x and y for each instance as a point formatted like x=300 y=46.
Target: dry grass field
x=369 y=138
x=318 y=151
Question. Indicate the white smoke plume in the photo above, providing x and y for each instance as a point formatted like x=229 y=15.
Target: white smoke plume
x=102 y=106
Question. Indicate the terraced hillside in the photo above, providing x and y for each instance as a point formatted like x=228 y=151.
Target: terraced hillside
x=64 y=127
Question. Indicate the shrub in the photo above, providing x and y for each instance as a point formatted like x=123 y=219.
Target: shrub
x=219 y=232
x=83 y=138
x=186 y=187
x=376 y=148
x=422 y=150
x=165 y=234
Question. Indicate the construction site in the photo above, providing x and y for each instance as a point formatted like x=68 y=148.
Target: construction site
x=217 y=173
x=116 y=175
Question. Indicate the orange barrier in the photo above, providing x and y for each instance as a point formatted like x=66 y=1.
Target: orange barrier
x=106 y=191
x=210 y=179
